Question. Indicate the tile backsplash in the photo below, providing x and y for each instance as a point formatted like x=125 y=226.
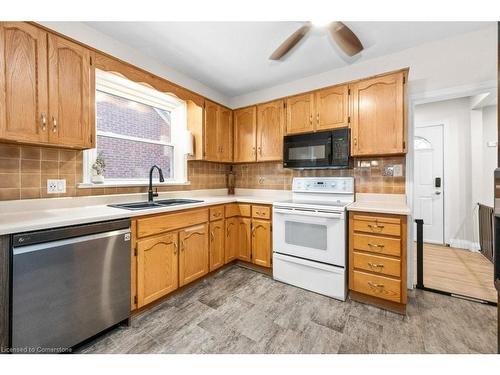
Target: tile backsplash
x=24 y=171
x=371 y=175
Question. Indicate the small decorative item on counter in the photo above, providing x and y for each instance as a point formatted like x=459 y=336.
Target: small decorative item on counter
x=98 y=169
x=230 y=181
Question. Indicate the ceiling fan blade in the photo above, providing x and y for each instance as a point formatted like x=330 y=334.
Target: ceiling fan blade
x=290 y=42
x=345 y=38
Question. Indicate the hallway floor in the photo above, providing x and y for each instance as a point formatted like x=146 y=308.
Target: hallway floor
x=241 y=311
x=458 y=271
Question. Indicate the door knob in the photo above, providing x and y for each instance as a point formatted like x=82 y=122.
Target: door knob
x=437 y=192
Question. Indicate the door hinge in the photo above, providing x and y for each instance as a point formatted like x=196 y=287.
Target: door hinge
x=135 y=300
x=404 y=145
x=349 y=119
x=284 y=104
x=404 y=80
x=90 y=60
x=348 y=91
x=135 y=250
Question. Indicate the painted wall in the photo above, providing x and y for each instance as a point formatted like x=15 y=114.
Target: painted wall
x=456 y=116
x=102 y=42
x=489 y=154
x=461 y=60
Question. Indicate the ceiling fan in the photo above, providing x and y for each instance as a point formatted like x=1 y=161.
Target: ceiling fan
x=341 y=34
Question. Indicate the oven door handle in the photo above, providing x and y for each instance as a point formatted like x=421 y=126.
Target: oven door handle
x=312 y=213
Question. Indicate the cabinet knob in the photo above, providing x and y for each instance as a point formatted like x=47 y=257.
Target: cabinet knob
x=311 y=119
x=355 y=141
x=317 y=118
x=44 y=121
x=54 y=124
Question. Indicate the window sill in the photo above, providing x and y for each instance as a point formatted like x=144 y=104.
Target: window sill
x=90 y=185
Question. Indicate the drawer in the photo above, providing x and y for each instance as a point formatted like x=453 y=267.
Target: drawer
x=377 y=264
x=261 y=212
x=216 y=213
x=377 y=244
x=377 y=225
x=377 y=286
x=237 y=209
x=165 y=223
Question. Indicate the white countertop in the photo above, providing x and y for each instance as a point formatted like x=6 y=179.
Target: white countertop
x=380 y=203
x=28 y=215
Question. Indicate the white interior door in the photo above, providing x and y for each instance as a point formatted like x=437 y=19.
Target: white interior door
x=428 y=181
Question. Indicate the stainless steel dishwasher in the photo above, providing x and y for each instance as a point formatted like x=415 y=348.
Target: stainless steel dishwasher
x=69 y=284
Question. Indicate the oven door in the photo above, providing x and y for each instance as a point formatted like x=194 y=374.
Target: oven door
x=313 y=235
x=308 y=150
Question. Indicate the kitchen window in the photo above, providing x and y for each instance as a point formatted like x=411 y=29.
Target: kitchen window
x=137 y=127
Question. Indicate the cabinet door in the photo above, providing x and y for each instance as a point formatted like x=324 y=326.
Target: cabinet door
x=378 y=116
x=245 y=127
x=157 y=267
x=23 y=82
x=261 y=242
x=270 y=124
x=193 y=257
x=231 y=241
x=216 y=244
x=244 y=244
x=332 y=108
x=71 y=99
x=225 y=134
x=299 y=114
x=211 y=130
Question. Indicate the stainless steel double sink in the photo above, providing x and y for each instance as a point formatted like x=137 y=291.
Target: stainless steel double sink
x=155 y=204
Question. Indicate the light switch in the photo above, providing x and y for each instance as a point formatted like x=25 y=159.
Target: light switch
x=398 y=170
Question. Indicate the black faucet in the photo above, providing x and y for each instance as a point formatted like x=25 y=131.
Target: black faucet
x=150 y=190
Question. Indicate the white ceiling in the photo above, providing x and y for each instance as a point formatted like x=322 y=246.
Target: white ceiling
x=232 y=57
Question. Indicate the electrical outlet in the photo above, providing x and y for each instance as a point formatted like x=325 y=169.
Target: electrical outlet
x=56 y=186
x=398 y=170
x=388 y=171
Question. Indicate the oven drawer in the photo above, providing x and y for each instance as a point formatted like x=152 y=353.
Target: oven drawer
x=261 y=212
x=377 y=225
x=377 y=286
x=377 y=244
x=377 y=264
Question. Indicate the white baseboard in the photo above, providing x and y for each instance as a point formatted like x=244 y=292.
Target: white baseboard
x=465 y=244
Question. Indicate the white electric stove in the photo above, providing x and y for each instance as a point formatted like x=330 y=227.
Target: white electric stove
x=309 y=235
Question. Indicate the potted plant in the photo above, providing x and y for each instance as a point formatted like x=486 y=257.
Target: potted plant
x=98 y=169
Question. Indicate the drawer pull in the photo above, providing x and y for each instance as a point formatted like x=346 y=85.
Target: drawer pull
x=217 y=214
x=376 y=246
x=374 y=265
x=375 y=285
x=376 y=227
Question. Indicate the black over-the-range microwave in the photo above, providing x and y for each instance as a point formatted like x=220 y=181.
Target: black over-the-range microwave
x=327 y=149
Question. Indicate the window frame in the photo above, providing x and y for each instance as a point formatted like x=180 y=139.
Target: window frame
x=122 y=87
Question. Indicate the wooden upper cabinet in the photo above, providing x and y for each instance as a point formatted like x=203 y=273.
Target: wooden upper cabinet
x=225 y=134
x=23 y=82
x=193 y=256
x=157 y=267
x=300 y=113
x=211 y=130
x=72 y=93
x=270 y=129
x=378 y=123
x=245 y=127
x=332 y=108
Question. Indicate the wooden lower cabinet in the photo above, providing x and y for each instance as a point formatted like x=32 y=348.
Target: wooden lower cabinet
x=193 y=254
x=261 y=242
x=377 y=259
x=244 y=242
x=216 y=244
x=231 y=240
x=157 y=267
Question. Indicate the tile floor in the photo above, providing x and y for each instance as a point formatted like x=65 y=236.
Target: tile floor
x=240 y=311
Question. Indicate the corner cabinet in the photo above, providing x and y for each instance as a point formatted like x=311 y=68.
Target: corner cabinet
x=379 y=116
x=46 y=88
